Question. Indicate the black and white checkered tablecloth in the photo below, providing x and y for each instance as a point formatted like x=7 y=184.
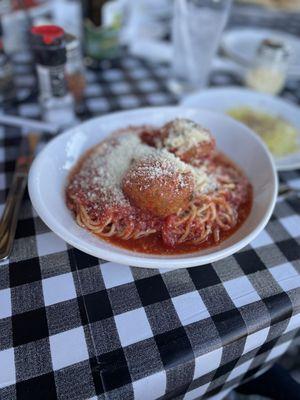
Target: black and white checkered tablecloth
x=75 y=327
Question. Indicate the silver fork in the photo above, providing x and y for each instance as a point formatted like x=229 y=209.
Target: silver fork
x=10 y=214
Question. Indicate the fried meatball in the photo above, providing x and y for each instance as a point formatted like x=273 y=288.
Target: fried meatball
x=160 y=184
x=187 y=139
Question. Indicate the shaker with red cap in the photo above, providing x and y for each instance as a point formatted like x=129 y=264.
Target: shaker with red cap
x=49 y=48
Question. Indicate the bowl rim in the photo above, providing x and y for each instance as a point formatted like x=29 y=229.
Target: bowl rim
x=234 y=89
x=140 y=259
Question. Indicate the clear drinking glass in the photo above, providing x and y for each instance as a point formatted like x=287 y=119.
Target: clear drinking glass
x=197 y=28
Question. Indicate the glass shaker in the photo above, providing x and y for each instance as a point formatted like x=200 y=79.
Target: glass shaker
x=269 y=70
x=49 y=47
x=75 y=73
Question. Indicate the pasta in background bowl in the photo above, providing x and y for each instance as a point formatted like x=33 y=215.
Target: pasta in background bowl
x=278 y=134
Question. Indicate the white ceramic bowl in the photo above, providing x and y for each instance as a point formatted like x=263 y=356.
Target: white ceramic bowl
x=224 y=99
x=48 y=174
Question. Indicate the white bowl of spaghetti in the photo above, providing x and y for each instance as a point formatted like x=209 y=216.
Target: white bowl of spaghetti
x=145 y=198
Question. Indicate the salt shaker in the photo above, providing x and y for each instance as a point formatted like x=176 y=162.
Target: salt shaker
x=49 y=47
x=269 y=70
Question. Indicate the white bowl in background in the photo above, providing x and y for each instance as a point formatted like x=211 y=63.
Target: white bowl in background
x=223 y=99
x=48 y=175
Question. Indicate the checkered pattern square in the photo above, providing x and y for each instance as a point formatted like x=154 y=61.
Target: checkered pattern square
x=75 y=327
x=151 y=387
x=190 y=308
x=68 y=348
x=58 y=288
x=5 y=300
x=115 y=274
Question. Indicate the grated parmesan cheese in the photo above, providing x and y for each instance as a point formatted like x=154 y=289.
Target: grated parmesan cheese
x=184 y=134
x=101 y=173
x=204 y=182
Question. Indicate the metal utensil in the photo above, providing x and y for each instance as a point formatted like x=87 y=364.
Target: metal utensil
x=14 y=120
x=9 y=218
x=285 y=190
